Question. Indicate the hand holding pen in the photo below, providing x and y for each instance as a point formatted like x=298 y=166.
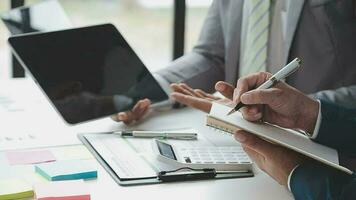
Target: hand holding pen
x=280 y=75
x=282 y=104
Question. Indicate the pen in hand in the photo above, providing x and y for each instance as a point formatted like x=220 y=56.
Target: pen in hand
x=289 y=69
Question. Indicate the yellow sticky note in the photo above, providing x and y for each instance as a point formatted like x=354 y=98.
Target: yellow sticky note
x=14 y=189
x=77 y=152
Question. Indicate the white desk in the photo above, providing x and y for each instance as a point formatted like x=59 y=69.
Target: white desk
x=259 y=187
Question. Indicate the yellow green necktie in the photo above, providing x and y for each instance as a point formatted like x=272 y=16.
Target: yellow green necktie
x=254 y=57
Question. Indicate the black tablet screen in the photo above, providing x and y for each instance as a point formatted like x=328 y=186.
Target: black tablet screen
x=87 y=72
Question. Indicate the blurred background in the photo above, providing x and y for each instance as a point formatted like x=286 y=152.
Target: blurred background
x=148 y=25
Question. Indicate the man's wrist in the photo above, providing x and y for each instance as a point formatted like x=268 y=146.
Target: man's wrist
x=309 y=116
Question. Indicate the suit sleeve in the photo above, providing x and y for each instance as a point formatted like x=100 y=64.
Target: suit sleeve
x=317 y=181
x=345 y=96
x=205 y=65
x=337 y=129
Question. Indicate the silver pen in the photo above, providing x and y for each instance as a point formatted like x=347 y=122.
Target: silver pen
x=178 y=135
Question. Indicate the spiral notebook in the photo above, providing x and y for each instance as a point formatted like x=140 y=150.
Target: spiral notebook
x=291 y=139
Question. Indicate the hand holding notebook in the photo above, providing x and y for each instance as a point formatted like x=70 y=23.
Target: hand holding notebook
x=285 y=137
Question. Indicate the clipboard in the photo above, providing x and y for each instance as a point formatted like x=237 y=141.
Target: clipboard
x=160 y=176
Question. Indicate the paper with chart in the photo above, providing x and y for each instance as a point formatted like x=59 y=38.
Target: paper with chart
x=133 y=158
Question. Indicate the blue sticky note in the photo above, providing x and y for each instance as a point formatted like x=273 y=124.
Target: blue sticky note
x=67 y=170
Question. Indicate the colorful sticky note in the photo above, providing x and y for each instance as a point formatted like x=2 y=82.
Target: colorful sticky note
x=15 y=189
x=67 y=170
x=29 y=157
x=62 y=190
x=77 y=152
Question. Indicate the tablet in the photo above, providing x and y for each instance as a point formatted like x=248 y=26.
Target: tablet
x=87 y=73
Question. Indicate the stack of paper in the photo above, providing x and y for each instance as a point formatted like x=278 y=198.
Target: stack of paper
x=62 y=190
x=67 y=170
x=23 y=101
x=14 y=189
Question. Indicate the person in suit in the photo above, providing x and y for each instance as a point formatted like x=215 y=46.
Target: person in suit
x=245 y=36
x=326 y=123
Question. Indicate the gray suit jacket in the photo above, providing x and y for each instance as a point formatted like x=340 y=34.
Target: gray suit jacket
x=320 y=32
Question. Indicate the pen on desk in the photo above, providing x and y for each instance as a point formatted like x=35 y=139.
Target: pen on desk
x=289 y=69
x=159 y=134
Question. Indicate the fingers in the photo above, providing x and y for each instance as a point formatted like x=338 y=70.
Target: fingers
x=137 y=112
x=176 y=87
x=200 y=93
x=195 y=102
x=185 y=89
x=249 y=82
x=256 y=157
x=262 y=96
x=225 y=89
x=252 y=113
x=140 y=108
x=206 y=95
x=255 y=143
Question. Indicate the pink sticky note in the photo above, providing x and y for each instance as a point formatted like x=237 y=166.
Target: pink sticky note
x=29 y=157
x=62 y=190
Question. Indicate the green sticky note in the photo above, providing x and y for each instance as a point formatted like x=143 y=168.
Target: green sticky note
x=67 y=170
x=15 y=189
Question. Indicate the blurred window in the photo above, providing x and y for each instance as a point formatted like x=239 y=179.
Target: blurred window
x=146 y=24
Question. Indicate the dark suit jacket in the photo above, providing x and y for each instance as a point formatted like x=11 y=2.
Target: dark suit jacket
x=316 y=181
x=325 y=41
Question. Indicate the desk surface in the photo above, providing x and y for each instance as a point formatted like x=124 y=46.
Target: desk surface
x=259 y=187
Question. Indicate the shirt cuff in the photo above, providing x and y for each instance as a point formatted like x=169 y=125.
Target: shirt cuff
x=163 y=83
x=317 y=125
x=290 y=176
